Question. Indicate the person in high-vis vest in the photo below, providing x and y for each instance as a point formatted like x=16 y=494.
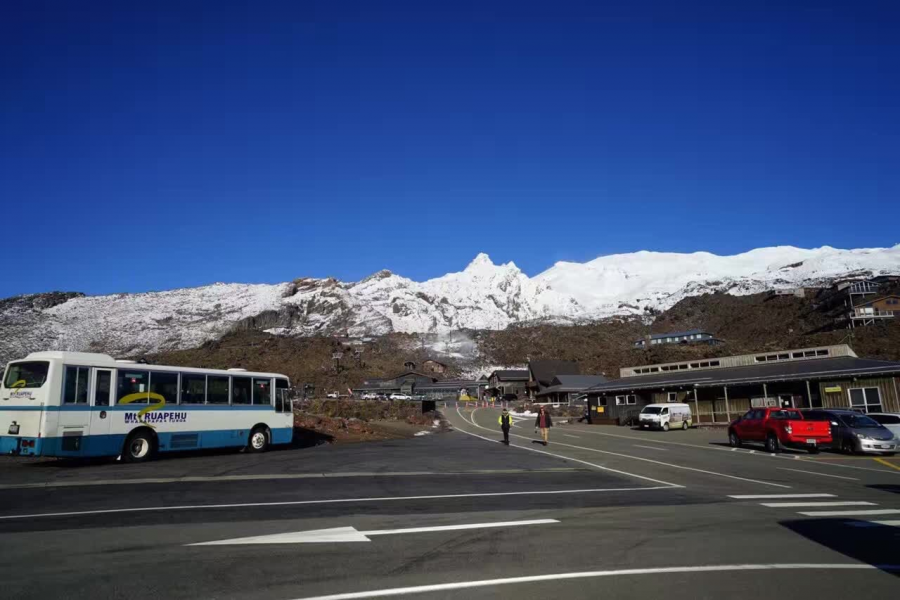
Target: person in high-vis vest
x=505 y=421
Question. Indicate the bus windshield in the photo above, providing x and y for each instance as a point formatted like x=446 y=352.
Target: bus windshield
x=26 y=374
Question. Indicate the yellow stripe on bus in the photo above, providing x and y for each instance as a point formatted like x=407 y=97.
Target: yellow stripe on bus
x=141 y=396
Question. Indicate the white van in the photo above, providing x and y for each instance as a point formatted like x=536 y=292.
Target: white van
x=665 y=416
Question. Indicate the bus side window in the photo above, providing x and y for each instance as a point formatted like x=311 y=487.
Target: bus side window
x=76 y=385
x=262 y=392
x=133 y=382
x=282 y=402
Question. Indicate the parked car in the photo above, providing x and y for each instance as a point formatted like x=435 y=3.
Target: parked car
x=889 y=420
x=780 y=428
x=665 y=416
x=331 y=395
x=396 y=396
x=370 y=396
x=856 y=432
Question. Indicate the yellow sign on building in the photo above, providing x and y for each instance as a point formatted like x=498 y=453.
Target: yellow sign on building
x=833 y=390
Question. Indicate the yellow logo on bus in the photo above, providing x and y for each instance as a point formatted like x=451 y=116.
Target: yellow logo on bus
x=18 y=384
x=141 y=396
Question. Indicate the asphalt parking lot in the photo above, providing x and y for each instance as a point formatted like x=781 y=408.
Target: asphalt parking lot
x=625 y=513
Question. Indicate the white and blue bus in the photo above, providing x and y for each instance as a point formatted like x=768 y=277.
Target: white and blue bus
x=77 y=404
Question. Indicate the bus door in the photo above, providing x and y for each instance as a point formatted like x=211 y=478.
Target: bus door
x=74 y=411
x=101 y=400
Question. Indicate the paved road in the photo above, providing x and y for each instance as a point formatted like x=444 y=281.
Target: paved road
x=610 y=511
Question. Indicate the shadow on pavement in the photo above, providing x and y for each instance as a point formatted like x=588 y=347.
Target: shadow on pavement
x=860 y=540
x=886 y=487
x=303 y=438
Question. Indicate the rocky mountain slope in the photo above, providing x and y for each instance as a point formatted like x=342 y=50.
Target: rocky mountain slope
x=484 y=296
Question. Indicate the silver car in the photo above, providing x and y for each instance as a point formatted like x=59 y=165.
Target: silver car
x=854 y=432
x=889 y=420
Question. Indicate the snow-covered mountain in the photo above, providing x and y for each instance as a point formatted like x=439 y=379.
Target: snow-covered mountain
x=483 y=296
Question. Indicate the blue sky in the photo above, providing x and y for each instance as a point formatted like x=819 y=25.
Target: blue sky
x=177 y=144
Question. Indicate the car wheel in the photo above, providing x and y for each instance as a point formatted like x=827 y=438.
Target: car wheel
x=665 y=427
x=847 y=447
x=772 y=446
x=259 y=440
x=138 y=447
x=734 y=440
x=684 y=426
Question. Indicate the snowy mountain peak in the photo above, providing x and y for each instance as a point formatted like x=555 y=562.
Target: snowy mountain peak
x=480 y=262
x=483 y=296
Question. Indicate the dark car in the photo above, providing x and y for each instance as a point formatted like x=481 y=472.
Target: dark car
x=854 y=432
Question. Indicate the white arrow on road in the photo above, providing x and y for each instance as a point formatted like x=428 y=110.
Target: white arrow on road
x=350 y=534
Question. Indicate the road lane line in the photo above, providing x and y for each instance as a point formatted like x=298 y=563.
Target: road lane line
x=571 y=436
x=649 y=447
x=886 y=463
x=776 y=496
x=272 y=476
x=849 y=513
x=578 y=460
x=461 y=585
x=331 y=501
x=816 y=504
x=674 y=466
x=817 y=473
x=746 y=452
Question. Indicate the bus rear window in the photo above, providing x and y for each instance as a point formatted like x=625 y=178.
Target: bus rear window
x=26 y=374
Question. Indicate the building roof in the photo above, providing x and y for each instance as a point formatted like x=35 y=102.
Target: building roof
x=572 y=383
x=511 y=374
x=820 y=368
x=878 y=299
x=544 y=370
x=659 y=336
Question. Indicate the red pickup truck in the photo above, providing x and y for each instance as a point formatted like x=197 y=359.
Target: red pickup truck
x=779 y=428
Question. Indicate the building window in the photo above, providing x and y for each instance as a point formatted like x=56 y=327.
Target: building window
x=672 y=397
x=867 y=399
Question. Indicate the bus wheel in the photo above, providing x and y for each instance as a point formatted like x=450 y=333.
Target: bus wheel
x=259 y=440
x=138 y=447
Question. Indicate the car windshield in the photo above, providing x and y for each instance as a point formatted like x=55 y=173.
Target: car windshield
x=651 y=410
x=860 y=421
x=26 y=374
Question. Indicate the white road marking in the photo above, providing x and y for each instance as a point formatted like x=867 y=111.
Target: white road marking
x=674 y=466
x=461 y=585
x=740 y=451
x=572 y=436
x=874 y=523
x=265 y=477
x=775 y=496
x=849 y=513
x=350 y=534
x=649 y=447
x=578 y=460
x=817 y=473
x=815 y=504
x=332 y=501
